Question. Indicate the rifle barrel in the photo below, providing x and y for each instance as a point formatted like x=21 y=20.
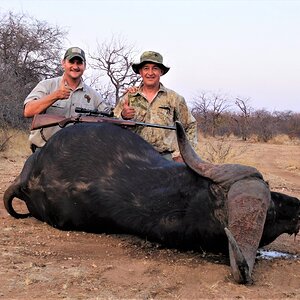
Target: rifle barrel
x=96 y=112
x=155 y=125
x=46 y=120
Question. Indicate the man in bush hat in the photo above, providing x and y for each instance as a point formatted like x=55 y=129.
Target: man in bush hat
x=152 y=102
x=61 y=95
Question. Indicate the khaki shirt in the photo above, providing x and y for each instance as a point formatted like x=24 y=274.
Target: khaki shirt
x=166 y=108
x=84 y=97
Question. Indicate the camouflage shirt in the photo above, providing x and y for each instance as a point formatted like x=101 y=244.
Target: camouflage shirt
x=166 y=108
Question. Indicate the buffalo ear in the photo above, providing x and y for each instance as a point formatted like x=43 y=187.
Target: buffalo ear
x=187 y=152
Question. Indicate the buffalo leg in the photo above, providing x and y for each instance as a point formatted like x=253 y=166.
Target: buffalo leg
x=248 y=202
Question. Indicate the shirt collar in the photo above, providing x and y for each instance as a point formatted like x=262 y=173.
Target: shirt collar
x=81 y=86
x=139 y=91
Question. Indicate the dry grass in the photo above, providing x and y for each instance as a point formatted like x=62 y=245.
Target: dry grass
x=4 y=139
x=215 y=150
x=17 y=144
x=283 y=139
x=221 y=150
x=234 y=150
x=280 y=139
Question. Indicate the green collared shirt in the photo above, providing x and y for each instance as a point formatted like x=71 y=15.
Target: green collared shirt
x=166 y=108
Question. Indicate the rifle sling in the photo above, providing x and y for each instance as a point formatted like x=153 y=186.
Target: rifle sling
x=43 y=136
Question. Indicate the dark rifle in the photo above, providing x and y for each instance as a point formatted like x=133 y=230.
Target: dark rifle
x=92 y=116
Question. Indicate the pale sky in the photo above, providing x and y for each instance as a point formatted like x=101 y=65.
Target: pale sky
x=247 y=49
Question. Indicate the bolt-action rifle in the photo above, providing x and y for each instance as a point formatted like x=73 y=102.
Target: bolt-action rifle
x=90 y=116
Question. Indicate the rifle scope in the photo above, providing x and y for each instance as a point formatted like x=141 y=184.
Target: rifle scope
x=93 y=112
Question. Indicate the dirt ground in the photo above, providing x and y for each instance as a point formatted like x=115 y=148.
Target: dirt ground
x=40 y=262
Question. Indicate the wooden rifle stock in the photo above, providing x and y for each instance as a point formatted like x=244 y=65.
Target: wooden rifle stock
x=48 y=120
x=45 y=120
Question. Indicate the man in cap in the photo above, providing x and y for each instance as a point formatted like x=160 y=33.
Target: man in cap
x=61 y=95
x=152 y=102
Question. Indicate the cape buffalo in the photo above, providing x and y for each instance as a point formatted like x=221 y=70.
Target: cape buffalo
x=105 y=178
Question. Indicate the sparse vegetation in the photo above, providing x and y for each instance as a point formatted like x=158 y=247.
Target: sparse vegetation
x=216 y=116
x=15 y=142
x=4 y=138
x=220 y=150
x=30 y=50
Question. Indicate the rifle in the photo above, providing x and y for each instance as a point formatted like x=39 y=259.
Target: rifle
x=93 y=116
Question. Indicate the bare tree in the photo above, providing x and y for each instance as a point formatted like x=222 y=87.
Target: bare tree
x=200 y=111
x=219 y=106
x=30 y=50
x=244 y=117
x=208 y=109
x=114 y=59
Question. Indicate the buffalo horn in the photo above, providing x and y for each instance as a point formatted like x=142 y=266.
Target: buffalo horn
x=187 y=152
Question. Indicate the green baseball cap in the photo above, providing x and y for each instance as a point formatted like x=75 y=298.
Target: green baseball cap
x=150 y=57
x=74 y=52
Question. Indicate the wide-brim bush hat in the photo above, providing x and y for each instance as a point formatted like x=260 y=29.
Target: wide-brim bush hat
x=150 y=57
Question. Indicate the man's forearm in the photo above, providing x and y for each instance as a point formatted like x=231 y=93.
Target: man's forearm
x=38 y=106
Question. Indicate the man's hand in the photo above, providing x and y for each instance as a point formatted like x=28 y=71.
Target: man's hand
x=64 y=90
x=128 y=112
x=132 y=89
x=40 y=105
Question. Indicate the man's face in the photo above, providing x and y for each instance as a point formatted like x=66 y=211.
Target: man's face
x=151 y=74
x=74 y=67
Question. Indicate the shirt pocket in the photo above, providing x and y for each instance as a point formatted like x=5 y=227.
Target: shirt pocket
x=60 y=104
x=166 y=114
